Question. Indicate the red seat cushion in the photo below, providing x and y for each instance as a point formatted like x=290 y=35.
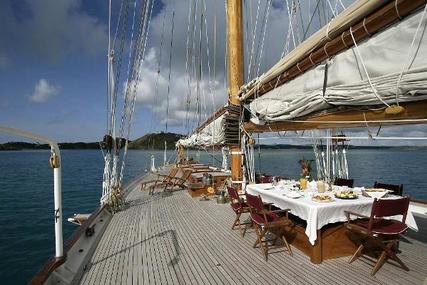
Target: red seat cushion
x=259 y=219
x=238 y=206
x=383 y=226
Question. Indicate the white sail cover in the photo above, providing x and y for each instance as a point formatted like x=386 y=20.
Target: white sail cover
x=385 y=56
x=357 y=11
x=211 y=134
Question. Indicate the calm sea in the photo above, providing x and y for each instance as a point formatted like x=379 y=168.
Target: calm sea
x=26 y=192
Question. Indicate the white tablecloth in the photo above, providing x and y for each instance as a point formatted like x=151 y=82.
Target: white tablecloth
x=315 y=213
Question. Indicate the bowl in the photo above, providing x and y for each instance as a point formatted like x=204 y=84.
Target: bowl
x=376 y=192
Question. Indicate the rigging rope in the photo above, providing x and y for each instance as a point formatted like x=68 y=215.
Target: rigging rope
x=187 y=69
x=170 y=70
x=254 y=35
x=208 y=60
x=410 y=61
x=311 y=19
x=365 y=70
x=132 y=109
x=112 y=178
x=266 y=14
x=156 y=86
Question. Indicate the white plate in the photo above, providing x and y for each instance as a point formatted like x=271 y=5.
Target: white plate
x=293 y=195
x=376 y=194
x=322 y=201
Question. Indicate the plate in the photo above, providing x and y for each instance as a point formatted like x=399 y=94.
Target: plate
x=293 y=195
x=369 y=190
x=376 y=192
x=269 y=188
x=346 y=195
x=346 y=198
x=322 y=198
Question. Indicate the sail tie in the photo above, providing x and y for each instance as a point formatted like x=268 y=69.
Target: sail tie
x=408 y=56
x=343 y=41
x=311 y=60
x=374 y=90
x=397 y=9
x=327 y=31
x=325 y=49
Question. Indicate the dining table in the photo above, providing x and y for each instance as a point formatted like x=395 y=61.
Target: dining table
x=286 y=195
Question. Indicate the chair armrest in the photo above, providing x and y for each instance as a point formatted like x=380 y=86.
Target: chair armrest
x=286 y=211
x=268 y=205
x=349 y=213
x=175 y=180
x=281 y=211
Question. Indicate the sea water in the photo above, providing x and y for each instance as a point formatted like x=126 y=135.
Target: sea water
x=26 y=191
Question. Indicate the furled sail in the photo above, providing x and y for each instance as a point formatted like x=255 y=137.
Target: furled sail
x=212 y=134
x=357 y=11
x=388 y=68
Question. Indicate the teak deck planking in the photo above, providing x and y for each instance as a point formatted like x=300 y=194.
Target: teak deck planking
x=175 y=239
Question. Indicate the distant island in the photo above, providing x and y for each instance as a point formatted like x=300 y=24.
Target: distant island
x=157 y=141
x=148 y=141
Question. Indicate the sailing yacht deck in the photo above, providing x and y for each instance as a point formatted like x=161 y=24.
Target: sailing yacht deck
x=176 y=239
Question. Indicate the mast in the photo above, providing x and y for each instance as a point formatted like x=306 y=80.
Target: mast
x=235 y=73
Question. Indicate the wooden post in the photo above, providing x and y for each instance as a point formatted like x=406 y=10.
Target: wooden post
x=235 y=72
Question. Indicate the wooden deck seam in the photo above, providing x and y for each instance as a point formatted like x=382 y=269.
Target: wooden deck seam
x=141 y=241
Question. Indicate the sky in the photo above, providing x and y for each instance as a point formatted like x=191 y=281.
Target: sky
x=53 y=63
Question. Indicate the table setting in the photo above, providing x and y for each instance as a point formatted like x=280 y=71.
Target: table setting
x=318 y=205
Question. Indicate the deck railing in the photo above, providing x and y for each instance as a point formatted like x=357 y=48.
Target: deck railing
x=55 y=163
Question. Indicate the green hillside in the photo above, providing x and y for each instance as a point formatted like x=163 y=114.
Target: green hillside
x=155 y=141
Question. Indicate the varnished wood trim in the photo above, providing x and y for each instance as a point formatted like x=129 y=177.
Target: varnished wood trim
x=413 y=110
x=218 y=113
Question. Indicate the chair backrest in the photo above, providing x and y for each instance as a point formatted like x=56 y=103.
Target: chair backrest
x=232 y=192
x=382 y=208
x=397 y=189
x=173 y=172
x=184 y=177
x=344 y=182
x=254 y=202
x=266 y=179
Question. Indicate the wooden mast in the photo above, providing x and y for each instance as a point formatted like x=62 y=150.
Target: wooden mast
x=235 y=72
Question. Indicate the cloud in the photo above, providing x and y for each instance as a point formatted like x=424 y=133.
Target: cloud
x=200 y=103
x=49 y=30
x=43 y=91
x=182 y=105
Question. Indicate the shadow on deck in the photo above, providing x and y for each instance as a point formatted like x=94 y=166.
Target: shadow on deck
x=176 y=239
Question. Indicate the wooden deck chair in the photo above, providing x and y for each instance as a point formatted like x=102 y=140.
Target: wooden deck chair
x=267 y=221
x=178 y=181
x=344 y=182
x=239 y=207
x=396 y=188
x=160 y=180
x=380 y=231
